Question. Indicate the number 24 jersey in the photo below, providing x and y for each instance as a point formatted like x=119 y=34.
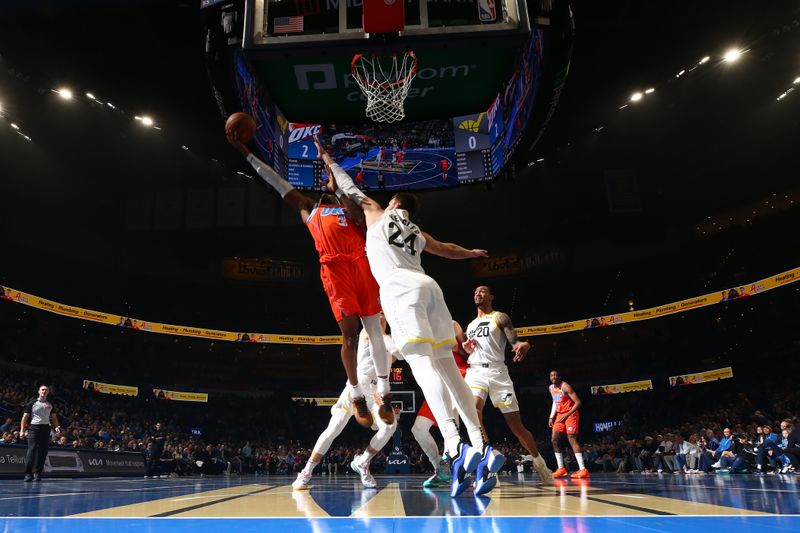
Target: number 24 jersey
x=394 y=242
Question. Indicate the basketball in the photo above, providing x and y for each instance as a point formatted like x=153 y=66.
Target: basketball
x=243 y=124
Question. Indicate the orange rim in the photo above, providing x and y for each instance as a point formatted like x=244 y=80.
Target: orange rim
x=384 y=85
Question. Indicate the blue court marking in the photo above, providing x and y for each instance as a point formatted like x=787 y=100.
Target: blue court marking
x=426 y=174
x=766 y=494
x=776 y=524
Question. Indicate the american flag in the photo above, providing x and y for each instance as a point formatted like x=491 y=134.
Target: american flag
x=288 y=24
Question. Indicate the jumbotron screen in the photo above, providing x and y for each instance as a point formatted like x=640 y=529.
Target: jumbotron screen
x=431 y=154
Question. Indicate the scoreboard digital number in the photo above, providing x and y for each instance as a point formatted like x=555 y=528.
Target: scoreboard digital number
x=472 y=133
x=477 y=157
x=397 y=375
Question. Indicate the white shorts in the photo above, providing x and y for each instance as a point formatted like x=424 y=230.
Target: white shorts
x=344 y=406
x=418 y=315
x=495 y=383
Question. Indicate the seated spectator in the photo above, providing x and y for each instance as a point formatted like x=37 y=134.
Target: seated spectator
x=767 y=445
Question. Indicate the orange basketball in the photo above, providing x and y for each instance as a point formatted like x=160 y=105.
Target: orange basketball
x=243 y=124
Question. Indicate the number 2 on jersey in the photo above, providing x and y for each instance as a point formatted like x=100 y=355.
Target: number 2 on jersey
x=396 y=239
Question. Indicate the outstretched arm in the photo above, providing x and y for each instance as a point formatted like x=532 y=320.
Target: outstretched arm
x=300 y=202
x=520 y=348
x=342 y=180
x=449 y=250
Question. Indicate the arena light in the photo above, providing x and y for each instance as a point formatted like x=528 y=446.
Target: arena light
x=90 y=96
x=796 y=81
x=651 y=90
x=147 y=121
x=635 y=97
x=732 y=55
x=14 y=126
x=681 y=73
x=704 y=60
x=65 y=93
x=109 y=104
x=184 y=147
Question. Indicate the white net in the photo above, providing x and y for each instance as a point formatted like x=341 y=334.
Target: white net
x=385 y=87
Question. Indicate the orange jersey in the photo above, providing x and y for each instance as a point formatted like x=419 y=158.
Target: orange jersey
x=461 y=362
x=562 y=400
x=336 y=235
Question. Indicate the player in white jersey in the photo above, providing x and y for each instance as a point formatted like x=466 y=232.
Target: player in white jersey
x=422 y=328
x=487 y=338
x=343 y=411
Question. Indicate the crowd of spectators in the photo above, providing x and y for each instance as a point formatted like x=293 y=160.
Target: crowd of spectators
x=736 y=438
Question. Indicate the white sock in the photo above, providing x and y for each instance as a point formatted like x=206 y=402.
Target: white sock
x=438 y=397
x=365 y=457
x=383 y=385
x=309 y=468
x=560 y=459
x=462 y=397
x=355 y=391
x=377 y=348
x=422 y=433
x=579 y=458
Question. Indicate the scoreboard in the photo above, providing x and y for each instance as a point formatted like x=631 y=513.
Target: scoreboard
x=397 y=375
x=478 y=142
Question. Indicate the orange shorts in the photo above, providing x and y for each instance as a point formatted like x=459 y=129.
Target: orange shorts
x=570 y=427
x=425 y=409
x=351 y=289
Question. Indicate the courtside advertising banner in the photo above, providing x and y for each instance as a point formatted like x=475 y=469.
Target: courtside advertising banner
x=701 y=377
x=318 y=402
x=504 y=264
x=67 y=462
x=109 y=388
x=178 y=396
x=620 y=388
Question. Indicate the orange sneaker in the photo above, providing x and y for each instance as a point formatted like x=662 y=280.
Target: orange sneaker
x=561 y=472
x=580 y=474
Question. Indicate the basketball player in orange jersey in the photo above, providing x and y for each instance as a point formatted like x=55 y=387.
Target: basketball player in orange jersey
x=352 y=290
x=564 y=418
x=425 y=421
x=422 y=327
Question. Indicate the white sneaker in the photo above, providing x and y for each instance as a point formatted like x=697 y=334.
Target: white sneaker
x=302 y=482
x=363 y=470
x=660 y=471
x=545 y=475
x=716 y=465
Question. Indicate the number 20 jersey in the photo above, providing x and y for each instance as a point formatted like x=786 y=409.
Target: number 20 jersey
x=490 y=340
x=394 y=242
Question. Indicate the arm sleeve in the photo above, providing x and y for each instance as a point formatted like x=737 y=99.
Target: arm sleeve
x=553 y=410
x=269 y=175
x=345 y=183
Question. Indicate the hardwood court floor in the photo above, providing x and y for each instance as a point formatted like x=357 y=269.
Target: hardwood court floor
x=399 y=504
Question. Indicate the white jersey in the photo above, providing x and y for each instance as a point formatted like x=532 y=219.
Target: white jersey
x=365 y=369
x=394 y=242
x=490 y=340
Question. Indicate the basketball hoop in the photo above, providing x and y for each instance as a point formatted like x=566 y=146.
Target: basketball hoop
x=385 y=88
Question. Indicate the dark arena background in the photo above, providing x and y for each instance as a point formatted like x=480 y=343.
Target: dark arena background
x=631 y=168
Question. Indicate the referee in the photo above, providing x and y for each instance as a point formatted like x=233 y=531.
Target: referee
x=35 y=425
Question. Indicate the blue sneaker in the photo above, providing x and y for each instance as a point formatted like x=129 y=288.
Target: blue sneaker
x=491 y=462
x=461 y=466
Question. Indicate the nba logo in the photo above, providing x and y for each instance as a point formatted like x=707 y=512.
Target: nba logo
x=487 y=10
